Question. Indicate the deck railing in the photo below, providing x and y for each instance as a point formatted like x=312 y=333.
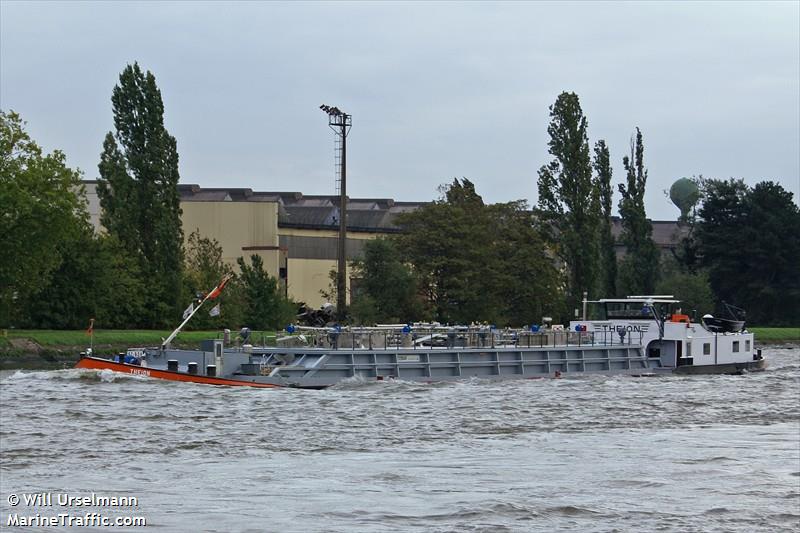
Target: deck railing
x=450 y=338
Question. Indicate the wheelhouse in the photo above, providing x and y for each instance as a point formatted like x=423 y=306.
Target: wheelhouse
x=634 y=308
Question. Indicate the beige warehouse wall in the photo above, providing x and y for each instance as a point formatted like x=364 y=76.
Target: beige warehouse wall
x=93 y=204
x=246 y=228
x=241 y=228
x=307 y=277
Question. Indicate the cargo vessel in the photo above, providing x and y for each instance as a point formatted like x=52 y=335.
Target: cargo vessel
x=638 y=335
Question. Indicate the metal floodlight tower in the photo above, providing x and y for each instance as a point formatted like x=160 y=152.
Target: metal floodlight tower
x=340 y=122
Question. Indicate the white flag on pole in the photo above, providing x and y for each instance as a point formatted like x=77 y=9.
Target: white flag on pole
x=188 y=311
x=214 y=311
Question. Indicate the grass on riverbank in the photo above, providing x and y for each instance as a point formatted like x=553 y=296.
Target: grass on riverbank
x=776 y=334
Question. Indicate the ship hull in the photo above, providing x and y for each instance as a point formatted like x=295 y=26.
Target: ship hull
x=314 y=368
x=726 y=368
x=640 y=336
x=96 y=363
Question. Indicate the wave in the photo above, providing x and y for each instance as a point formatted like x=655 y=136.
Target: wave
x=463 y=513
x=360 y=382
x=74 y=374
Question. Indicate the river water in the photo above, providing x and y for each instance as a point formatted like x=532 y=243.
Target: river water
x=699 y=453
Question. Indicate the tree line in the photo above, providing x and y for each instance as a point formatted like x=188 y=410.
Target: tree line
x=56 y=272
x=456 y=260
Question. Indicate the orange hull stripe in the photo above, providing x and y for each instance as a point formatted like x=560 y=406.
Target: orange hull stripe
x=103 y=364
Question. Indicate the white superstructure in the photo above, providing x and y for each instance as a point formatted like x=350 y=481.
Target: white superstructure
x=667 y=333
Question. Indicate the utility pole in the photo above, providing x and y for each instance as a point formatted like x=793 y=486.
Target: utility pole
x=340 y=122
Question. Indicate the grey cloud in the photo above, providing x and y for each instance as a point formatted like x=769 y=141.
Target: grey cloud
x=436 y=90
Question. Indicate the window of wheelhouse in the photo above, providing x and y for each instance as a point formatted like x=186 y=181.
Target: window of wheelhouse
x=635 y=310
x=747 y=346
x=735 y=346
x=595 y=311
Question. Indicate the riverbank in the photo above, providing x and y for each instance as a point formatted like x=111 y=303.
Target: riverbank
x=776 y=335
x=52 y=349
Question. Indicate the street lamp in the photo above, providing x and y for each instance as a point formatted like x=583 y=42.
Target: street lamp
x=340 y=122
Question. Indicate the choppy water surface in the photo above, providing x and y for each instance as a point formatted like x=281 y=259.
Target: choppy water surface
x=701 y=453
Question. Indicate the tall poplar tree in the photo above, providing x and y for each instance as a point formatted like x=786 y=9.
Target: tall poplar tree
x=138 y=190
x=568 y=199
x=638 y=272
x=608 y=255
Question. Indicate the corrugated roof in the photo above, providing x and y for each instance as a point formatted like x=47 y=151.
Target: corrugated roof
x=367 y=219
x=358 y=205
x=207 y=196
x=319 y=211
x=309 y=216
x=313 y=202
x=264 y=197
x=194 y=193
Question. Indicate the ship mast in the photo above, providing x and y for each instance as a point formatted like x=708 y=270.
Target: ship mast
x=215 y=292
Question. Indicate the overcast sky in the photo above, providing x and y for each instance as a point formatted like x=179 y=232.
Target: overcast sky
x=436 y=91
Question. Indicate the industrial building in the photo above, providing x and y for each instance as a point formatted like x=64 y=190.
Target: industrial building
x=296 y=234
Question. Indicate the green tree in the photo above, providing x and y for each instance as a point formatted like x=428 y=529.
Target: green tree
x=64 y=301
x=264 y=305
x=638 y=272
x=749 y=240
x=388 y=290
x=479 y=263
x=203 y=270
x=772 y=241
x=39 y=208
x=138 y=191
x=449 y=244
x=96 y=279
x=568 y=198
x=608 y=255
x=528 y=283
x=718 y=232
x=693 y=289
x=119 y=289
